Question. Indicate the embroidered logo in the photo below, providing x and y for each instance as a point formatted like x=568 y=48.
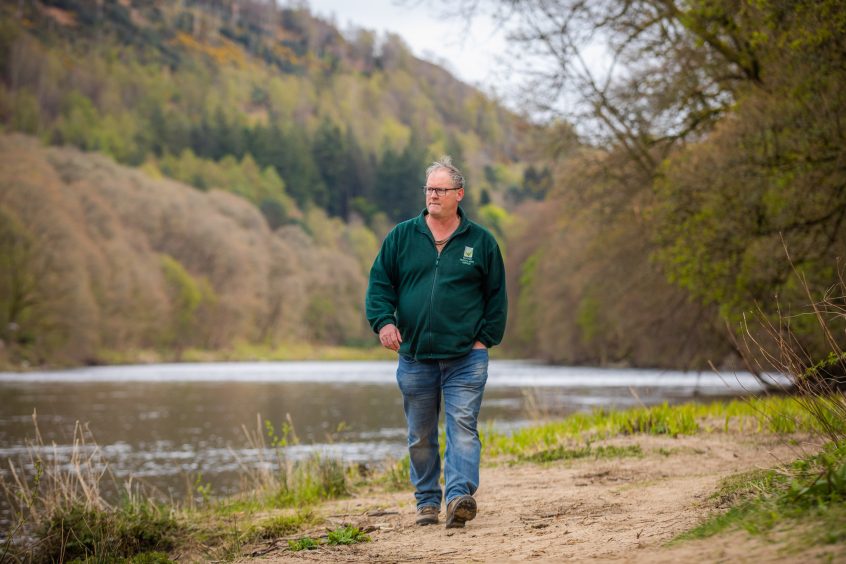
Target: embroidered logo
x=468 y=256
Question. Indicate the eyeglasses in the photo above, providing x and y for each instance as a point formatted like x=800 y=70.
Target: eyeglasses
x=439 y=191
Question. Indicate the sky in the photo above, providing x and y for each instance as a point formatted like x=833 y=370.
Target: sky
x=471 y=51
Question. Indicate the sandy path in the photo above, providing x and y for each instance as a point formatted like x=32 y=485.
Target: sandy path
x=619 y=509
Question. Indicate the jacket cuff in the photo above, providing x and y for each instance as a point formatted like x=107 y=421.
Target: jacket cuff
x=386 y=321
x=485 y=340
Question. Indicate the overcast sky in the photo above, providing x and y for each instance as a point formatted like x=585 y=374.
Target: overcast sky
x=472 y=52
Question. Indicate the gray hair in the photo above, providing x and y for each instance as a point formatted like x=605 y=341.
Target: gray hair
x=445 y=163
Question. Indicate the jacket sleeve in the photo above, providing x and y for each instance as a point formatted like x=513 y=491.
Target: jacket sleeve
x=496 y=300
x=381 y=301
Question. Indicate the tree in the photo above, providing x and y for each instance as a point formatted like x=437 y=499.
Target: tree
x=330 y=157
x=19 y=283
x=399 y=181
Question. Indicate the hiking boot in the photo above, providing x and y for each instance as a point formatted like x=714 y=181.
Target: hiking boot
x=428 y=515
x=459 y=511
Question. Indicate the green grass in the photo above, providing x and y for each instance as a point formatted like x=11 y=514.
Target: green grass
x=316 y=479
x=340 y=536
x=305 y=543
x=346 y=535
x=79 y=533
x=397 y=477
x=565 y=453
x=279 y=526
x=810 y=492
x=781 y=415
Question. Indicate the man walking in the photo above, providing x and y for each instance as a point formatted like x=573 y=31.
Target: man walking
x=437 y=297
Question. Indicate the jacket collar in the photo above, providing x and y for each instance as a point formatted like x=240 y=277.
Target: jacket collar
x=464 y=223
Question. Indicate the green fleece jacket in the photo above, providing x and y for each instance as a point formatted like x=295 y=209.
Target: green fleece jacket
x=441 y=304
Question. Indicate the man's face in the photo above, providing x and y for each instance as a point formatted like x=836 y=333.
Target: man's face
x=442 y=206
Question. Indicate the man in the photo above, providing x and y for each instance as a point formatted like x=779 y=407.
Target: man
x=437 y=297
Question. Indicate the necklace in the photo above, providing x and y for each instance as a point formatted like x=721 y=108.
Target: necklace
x=440 y=242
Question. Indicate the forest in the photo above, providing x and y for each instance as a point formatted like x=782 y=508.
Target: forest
x=200 y=174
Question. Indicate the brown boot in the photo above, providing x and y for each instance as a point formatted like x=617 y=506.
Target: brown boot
x=428 y=515
x=460 y=510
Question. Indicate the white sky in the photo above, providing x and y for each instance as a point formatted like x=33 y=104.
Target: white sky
x=472 y=52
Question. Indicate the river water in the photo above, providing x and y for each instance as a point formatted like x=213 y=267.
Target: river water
x=167 y=424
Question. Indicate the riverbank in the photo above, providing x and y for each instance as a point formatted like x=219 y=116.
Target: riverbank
x=239 y=353
x=243 y=352
x=646 y=484
x=627 y=506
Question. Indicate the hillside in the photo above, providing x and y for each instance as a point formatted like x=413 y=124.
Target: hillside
x=204 y=91
x=103 y=257
x=291 y=149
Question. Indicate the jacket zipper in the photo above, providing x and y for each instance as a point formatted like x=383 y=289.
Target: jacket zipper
x=432 y=302
x=434 y=283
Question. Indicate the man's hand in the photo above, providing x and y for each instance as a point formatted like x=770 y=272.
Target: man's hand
x=390 y=337
x=479 y=345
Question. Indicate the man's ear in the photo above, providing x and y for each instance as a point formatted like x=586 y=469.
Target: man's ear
x=459 y=194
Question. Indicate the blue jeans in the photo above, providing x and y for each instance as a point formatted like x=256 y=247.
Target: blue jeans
x=461 y=381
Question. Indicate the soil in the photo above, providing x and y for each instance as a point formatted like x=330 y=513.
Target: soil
x=623 y=509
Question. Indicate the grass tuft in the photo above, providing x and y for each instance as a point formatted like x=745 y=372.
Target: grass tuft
x=398 y=475
x=80 y=533
x=564 y=453
x=340 y=536
x=305 y=543
x=279 y=526
x=346 y=535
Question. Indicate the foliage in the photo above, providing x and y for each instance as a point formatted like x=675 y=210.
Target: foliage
x=131 y=262
x=811 y=489
x=398 y=474
x=340 y=536
x=81 y=534
x=714 y=141
x=305 y=543
x=346 y=535
x=187 y=294
x=278 y=526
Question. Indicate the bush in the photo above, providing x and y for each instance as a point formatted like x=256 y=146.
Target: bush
x=79 y=533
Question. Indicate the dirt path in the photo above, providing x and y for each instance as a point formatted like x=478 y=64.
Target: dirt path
x=618 y=509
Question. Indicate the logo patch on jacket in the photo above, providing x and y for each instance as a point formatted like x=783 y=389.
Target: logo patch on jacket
x=468 y=256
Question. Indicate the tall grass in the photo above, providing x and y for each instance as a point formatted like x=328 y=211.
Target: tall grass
x=62 y=514
x=282 y=483
x=819 y=385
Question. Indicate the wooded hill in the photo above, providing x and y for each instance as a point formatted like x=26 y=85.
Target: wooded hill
x=101 y=256
x=326 y=134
